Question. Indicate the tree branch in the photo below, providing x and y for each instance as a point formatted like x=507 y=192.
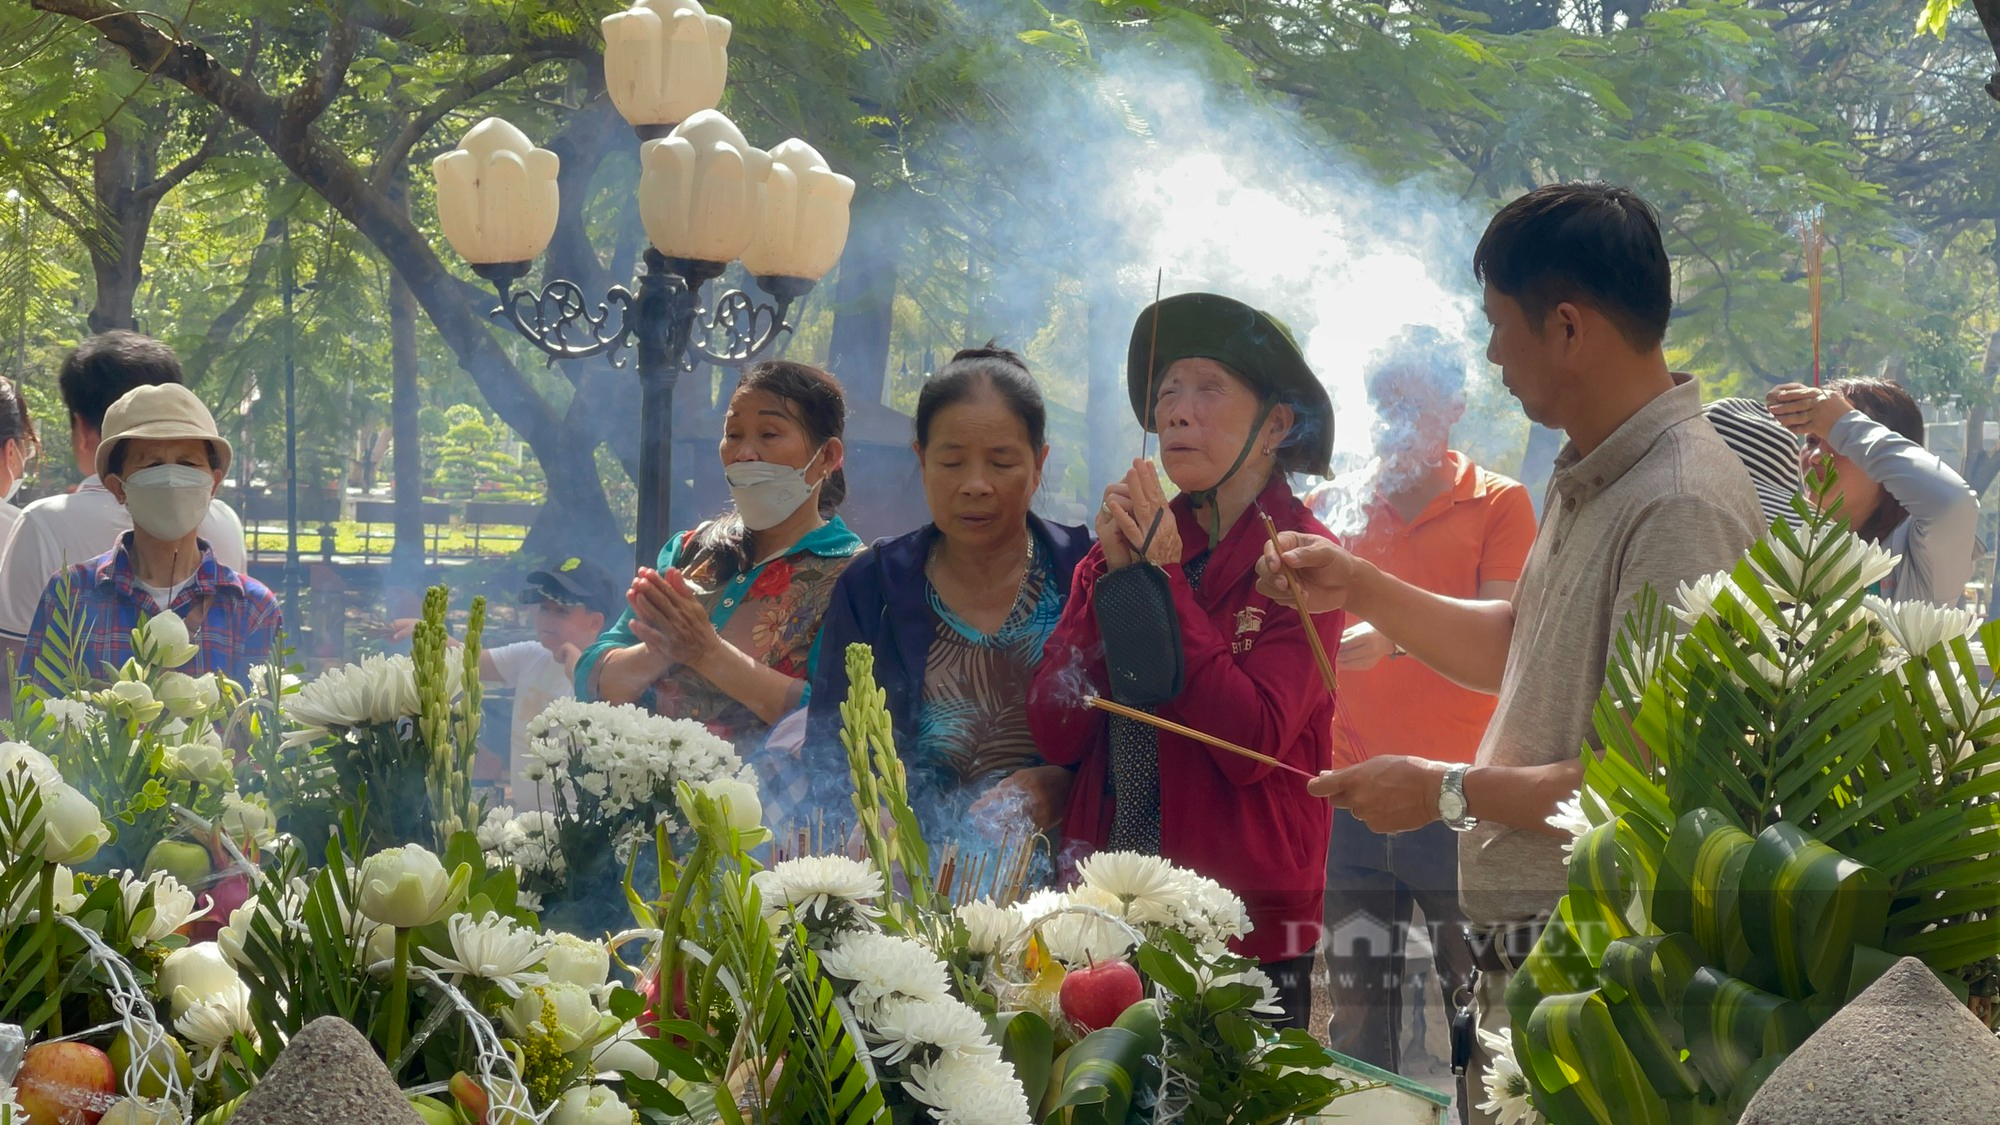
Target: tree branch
x=326 y=169
x=218 y=126
x=304 y=105
x=442 y=106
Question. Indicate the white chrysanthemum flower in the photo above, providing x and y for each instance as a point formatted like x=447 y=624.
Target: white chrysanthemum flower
x=211 y=1025
x=380 y=689
x=1507 y=1096
x=11 y=1111
x=72 y=715
x=1918 y=627
x=1267 y=1001
x=883 y=968
x=1870 y=562
x=970 y=1090
x=907 y=1026
x=1081 y=934
x=1215 y=915
x=492 y=831
x=1147 y=887
x=492 y=948
x=173 y=906
x=1696 y=600
x=989 y=929
x=812 y=885
x=1569 y=818
x=262 y=680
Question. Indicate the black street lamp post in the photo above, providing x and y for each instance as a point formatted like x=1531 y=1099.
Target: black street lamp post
x=671 y=331
x=707 y=197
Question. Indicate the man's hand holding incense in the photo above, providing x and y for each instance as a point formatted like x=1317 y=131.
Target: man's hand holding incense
x=1326 y=573
x=1392 y=793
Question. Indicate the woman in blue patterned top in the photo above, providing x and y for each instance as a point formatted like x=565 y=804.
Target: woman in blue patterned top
x=958 y=612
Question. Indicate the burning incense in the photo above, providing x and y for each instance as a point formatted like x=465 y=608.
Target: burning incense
x=1152 y=375
x=1172 y=727
x=1299 y=603
x=1815 y=245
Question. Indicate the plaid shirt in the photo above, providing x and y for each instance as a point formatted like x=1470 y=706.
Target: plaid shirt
x=232 y=619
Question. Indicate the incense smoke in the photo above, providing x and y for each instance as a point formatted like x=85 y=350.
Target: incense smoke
x=1148 y=168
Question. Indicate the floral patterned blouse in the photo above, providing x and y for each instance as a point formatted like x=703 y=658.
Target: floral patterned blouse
x=771 y=611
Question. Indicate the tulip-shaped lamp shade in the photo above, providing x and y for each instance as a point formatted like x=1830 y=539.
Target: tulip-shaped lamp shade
x=804 y=223
x=664 y=61
x=496 y=195
x=701 y=188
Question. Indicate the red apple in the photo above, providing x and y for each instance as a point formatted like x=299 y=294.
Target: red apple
x=1096 y=996
x=65 y=1084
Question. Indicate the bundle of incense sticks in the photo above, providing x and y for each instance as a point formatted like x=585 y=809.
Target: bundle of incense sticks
x=1000 y=876
x=1299 y=603
x=1146 y=420
x=1815 y=246
x=1172 y=727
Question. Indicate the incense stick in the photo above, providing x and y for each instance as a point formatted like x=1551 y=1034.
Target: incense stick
x=1147 y=422
x=1172 y=727
x=1326 y=674
x=1815 y=245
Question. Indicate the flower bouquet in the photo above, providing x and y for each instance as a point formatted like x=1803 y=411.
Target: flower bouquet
x=836 y=988
x=1794 y=792
x=605 y=776
x=397 y=734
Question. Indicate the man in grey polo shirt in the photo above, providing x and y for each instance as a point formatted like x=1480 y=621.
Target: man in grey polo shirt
x=1645 y=494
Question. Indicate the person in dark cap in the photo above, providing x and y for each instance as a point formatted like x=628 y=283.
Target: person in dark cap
x=572 y=598
x=1237 y=409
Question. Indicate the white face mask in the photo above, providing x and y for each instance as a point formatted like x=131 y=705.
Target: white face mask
x=767 y=494
x=168 y=501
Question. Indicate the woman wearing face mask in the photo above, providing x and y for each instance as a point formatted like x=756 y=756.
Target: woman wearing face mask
x=958 y=611
x=162 y=457
x=722 y=630
x=1237 y=409
x=18 y=446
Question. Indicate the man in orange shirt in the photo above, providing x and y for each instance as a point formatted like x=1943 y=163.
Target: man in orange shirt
x=1440 y=522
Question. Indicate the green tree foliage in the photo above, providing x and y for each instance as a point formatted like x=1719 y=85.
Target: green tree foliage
x=1734 y=117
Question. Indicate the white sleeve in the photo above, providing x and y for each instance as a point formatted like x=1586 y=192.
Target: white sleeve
x=224 y=533
x=29 y=561
x=517 y=661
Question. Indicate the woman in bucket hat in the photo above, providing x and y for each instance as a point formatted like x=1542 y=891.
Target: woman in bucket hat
x=1237 y=409
x=163 y=458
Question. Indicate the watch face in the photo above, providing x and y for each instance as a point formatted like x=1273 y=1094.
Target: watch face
x=1451 y=806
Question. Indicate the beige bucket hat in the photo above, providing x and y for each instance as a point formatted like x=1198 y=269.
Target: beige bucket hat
x=166 y=411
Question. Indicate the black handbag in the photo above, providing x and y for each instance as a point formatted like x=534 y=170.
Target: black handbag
x=1141 y=631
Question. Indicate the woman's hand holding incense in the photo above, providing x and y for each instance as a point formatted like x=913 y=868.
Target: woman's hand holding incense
x=1807 y=411
x=1135 y=522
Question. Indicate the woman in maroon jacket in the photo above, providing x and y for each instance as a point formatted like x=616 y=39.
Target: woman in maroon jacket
x=1236 y=408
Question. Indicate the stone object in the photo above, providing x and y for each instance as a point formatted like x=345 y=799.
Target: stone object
x=327 y=1075
x=1905 y=1050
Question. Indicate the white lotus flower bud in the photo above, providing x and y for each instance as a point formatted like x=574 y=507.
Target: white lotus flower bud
x=408 y=887
x=197 y=974
x=163 y=641
x=591 y=1105
x=579 y=961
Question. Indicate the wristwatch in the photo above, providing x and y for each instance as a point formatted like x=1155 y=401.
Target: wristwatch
x=1451 y=800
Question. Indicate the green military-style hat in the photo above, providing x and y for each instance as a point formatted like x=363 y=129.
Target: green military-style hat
x=1252 y=343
